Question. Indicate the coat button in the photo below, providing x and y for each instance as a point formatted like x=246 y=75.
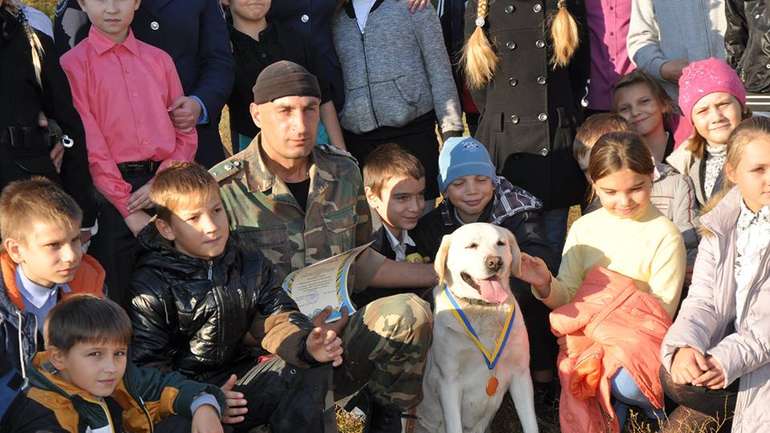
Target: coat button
x=542 y=117
x=514 y=119
x=509 y=9
x=154 y=25
x=510 y=45
x=767 y=66
x=540 y=43
x=537 y=8
x=304 y=18
x=544 y=151
x=541 y=80
x=513 y=82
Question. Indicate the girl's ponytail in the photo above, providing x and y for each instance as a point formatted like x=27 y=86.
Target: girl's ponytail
x=564 y=35
x=478 y=57
x=36 y=47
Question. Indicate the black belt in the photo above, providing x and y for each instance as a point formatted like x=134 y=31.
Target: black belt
x=134 y=168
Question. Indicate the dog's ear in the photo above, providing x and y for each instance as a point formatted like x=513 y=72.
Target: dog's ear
x=441 y=257
x=515 y=254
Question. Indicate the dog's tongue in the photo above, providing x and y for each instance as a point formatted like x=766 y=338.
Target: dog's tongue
x=492 y=291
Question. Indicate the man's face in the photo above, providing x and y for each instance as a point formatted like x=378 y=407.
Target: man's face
x=95 y=367
x=49 y=254
x=199 y=229
x=400 y=203
x=289 y=126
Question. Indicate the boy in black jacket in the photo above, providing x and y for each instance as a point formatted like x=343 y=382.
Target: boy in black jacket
x=202 y=306
x=472 y=192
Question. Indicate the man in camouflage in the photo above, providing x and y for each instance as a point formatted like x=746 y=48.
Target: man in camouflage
x=300 y=203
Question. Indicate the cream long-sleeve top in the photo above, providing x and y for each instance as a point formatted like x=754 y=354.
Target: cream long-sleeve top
x=648 y=248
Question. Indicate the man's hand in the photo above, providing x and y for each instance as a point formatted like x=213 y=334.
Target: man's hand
x=688 y=364
x=672 y=69
x=323 y=343
x=236 y=403
x=136 y=221
x=185 y=112
x=206 y=420
x=714 y=378
x=140 y=199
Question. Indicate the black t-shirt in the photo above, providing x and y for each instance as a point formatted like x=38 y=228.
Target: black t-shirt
x=300 y=190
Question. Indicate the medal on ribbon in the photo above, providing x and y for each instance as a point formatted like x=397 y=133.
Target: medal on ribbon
x=490 y=357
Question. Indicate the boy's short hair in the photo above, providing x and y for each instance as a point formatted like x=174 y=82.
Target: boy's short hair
x=24 y=202
x=181 y=184
x=86 y=318
x=592 y=130
x=387 y=161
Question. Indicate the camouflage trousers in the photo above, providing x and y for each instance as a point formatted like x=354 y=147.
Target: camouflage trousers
x=385 y=346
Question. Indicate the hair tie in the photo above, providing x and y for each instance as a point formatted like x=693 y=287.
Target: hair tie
x=480 y=22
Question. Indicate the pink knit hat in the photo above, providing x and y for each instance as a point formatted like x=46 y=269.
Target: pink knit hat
x=705 y=77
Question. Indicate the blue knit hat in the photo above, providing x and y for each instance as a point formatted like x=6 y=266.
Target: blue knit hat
x=463 y=156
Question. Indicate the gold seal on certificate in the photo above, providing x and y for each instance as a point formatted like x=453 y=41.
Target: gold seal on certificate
x=323 y=284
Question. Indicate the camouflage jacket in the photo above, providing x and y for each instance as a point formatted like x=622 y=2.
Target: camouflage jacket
x=266 y=215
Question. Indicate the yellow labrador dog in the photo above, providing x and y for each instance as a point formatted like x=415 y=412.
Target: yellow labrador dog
x=480 y=347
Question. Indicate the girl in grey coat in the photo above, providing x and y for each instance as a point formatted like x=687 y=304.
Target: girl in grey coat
x=721 y=337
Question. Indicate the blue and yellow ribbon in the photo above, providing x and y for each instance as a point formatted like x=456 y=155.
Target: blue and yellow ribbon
x=489 y=358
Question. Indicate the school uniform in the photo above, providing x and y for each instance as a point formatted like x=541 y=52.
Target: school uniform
x=194 y=34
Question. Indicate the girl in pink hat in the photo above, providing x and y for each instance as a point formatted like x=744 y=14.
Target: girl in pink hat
x=713 y=100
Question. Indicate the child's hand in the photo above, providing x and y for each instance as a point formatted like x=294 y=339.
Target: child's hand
x=325 y=346
x=140 y=199
x=236 y=403
x=136 y=221
x=688 y=364
x=714 y=378
x=185 y=112
x=535 y=272
x=206 y=420
x=417 y=5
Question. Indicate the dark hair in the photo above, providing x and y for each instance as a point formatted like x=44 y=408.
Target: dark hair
x=619 y=150
x=86 y=318
x=593 y=128
x=390 y=160
x=180 y=184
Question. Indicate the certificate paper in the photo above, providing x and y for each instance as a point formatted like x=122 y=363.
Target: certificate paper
x=323 y=284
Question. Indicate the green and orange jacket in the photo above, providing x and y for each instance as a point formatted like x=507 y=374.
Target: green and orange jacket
x=142 y=398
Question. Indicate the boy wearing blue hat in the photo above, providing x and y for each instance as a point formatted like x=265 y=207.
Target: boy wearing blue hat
x=473 y=192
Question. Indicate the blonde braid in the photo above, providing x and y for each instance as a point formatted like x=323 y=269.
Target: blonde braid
x=478 y=57
x=36 y=47
x=564 y=35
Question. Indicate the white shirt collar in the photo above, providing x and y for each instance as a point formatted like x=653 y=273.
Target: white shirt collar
x=36 y=294
x=395 y=243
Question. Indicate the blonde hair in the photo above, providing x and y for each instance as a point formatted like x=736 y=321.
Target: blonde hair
x=181 y=184
x=33 y=200
x=36 y=47
x=387 y=161
x=480 y=60
x=747 y=131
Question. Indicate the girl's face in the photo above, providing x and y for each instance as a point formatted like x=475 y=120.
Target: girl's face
x=637 y=104
x=624 y=193
x=715 y=116
x=752 y=174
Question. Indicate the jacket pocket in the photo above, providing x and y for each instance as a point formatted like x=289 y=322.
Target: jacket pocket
x=356 y=115
x=340 y=227
x=395 y=101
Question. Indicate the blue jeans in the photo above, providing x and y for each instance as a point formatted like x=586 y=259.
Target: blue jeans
x=627 y=393
x=555 y=222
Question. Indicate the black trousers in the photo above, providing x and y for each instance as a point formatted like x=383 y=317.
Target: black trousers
x=716 y=403
x=287 y=398
x=115 y=247
x=418 y=138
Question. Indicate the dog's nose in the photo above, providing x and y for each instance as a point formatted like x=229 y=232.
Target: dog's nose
x=494 y=263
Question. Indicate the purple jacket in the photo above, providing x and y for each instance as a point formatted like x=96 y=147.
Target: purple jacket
x=709 y=310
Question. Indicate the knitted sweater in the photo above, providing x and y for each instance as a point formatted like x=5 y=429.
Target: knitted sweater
x=396 y=70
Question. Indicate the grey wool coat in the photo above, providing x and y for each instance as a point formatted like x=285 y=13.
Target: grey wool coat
x=708 y=314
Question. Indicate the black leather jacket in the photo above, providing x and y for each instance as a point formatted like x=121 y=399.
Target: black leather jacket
x=747 y=44
x=191 y=315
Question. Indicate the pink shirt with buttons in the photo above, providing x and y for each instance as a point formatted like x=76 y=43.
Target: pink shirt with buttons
x=122 y=92
x=608 y=27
